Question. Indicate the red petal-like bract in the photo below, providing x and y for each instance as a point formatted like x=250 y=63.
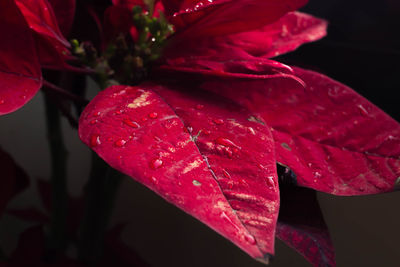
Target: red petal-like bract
x=333 y=139
x=282 y=36
x=198 y=151
x=221 y=17
x=51 y=44
x=64 y=11
x=20 y=74
x=302 y=227
x=13 y=180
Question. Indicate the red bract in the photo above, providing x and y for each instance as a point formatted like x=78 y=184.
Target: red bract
x=33 y=41
x=207 y=133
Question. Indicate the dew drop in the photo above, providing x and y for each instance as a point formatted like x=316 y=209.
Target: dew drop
x=2 y=101
x=270 y=181
x=156 y=163
x=317 y=175
x=199 y=106
x=97 y=114
x=153 y=115
x=120 y=142
x=131 y=123
x=218 y=121
x=363 y=111
x=226 y=142
x=93 y=122
x=95 y=140
x=226 y=174
x=249 y=238
x=206 y=132
x=196 y=183
x=22 y=96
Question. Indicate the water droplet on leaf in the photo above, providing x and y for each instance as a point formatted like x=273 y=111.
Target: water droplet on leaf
x=218 y=121
x=95 y=140
x=120 y=143
x=131 y=123
x=156 y=163
x=153 y=115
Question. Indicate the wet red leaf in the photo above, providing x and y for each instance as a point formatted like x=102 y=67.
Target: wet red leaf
x=194 y=19
x=333 y=139
x=64 y=11
x=194 y=150
x=13 y=180
x=284 y=35
x=51 y=44
x=20 y=74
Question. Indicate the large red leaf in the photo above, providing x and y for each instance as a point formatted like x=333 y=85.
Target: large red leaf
x=219 y=17
x=64 y=11
x=51 y=44
x=284 y=35
x=20 y=74
x=333 y=139
x=301 y=224
x=198 y=151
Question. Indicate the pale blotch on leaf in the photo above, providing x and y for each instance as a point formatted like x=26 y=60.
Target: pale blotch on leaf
x=255 y=119
x=141 y=101
x=196 y=183
x=286 y=146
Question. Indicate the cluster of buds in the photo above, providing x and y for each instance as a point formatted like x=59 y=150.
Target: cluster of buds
x=127 y=59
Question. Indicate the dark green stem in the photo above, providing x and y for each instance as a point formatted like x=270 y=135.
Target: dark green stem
x=57 y=240
x=101 y=192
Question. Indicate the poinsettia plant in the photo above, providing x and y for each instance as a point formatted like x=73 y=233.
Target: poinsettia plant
x=192 y=106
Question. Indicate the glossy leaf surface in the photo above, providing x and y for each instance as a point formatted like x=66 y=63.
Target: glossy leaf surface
x=20 y=74
x=282 y=36
x=221 y=17
x=333 y=139
x=64 y=11
x=51 y=44
x=196 y=150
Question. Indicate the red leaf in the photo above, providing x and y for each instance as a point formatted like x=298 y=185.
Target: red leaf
x=333 y=139
x=51 y=44
x=197 y=151
x=301 y=224
x=64 y=11
x=221 y=17
x=13 y=180
x=20 y=74
x=284 y=35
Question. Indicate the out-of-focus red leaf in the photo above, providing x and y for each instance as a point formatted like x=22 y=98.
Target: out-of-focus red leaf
x=284 y=35
x=301 y=224
x=13 y=179
x=117 y=253
x=51 y=44
x=333 y=139
x=64 y=11
x=20 y=74
x=30 y=251
x=221 y=17
x=196 y=150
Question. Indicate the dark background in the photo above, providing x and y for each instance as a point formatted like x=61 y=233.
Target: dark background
x=361 y=50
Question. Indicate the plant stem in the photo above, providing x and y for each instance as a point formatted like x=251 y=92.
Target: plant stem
x=101 y=191
x=58 y=156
